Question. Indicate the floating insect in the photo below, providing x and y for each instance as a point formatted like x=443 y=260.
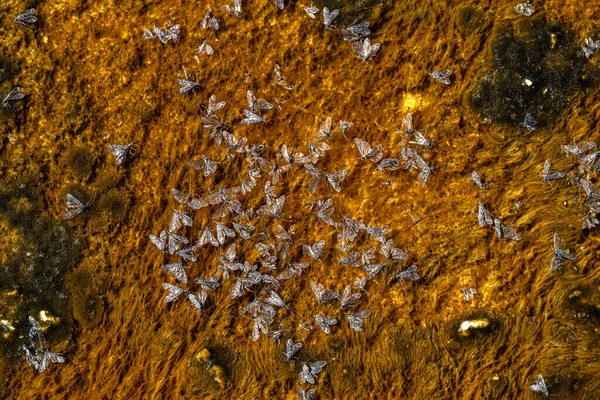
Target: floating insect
x=168 y=240
x=351 y=259
x=324 y=129
x=366 y=152
x=590 y=48
x=389 y=164
x=312 y=11
x=217 y=129
x=275 y=300
x=198 y=300
x=442 y=76
x=350 y=228
x=171 y=33
x=549 y=175
x=560 y=255
x=364 y=49
x=528 y=122
x=323 y=295
x=349 y=299
x=252 y=118
x=211 y=283
x=392 y=253
x=291 y=349
x=356 y=320
x=540 y=387
x=525 y=9
x=207 y=166
x=467 y=293
x=336 y=178
x=26 y=18
x=210 y=21
x=75 y=207
x=257 y=105
x=223 y=233
x=325 y=323
x=310 y=370
x=345 y=126
x=483 y=216
x=274 y=209
x=174 y=292
x=235 y=9
x=409 y=273
x=312 y=170
x=505 y=232
x=280 y=79
x=279 y=3
x=356 y=32
x=244 y=231
x=178 y=220
x=13 y=95
x=188 y=200
x=329 y=16
x=407 y=123
x=177 y=270
x=315 y=250
x=590 y=190
x=293 y=269
x=187 y=85
x=207 y=237
x=475 y=178
x=373 y=269
x=308 y=394
x=424 y=168
x=120 y=151
x=284 y=241
x=205 y=48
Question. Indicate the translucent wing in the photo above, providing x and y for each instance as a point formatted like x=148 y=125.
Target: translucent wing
x=483 y=216
x=409 y=273
x=291 y=349
x=160 y=241
x=223 y=233
x=207 y=237
x=325 y=323
x=442 y=76
x=477 y=180
x=174 y=292
x=356 y=319
x=349 y=299
x=329 y=16
x=251 y=118
x=243 y=230
x=336 y=178
x=540 y=386
x=177 y=270
x=373 y=269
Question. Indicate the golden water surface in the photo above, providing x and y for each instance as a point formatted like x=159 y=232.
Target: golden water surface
x=91 y=80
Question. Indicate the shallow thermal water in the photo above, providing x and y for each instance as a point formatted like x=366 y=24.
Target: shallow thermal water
x=91 y=80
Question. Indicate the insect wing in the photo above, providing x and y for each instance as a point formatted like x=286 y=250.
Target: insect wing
x=409 y=273
x=207 y=237
x=176 y=270
x=329 y=16
x=356 y=319
x=336 y=178
x=160 y=241
x=483 y=216
x=291 y=349
x=251 y=118
x=174 y=292
x=325 y=323
x=223 y=233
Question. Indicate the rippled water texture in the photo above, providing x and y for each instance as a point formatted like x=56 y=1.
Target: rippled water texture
x=90 y=80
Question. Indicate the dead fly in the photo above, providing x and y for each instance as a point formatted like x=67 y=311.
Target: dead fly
x=178 y=220
x=345 y=126
x=120 y=151
x=350 y=229
x=177 y=270
x=244 y=231
x=392 y=253
x=314 y=184
x=323 y=295
x=540 y=387
x=198 y=300
x=484 y=217
x=305 y=394
x=274 y=209
x=329 y=16
x=26 y=18
x=579 y=149
x=269 y=191
x=560 y=255
x=257 y=105
x=442 y=76
x=360 y=283
x=171 y=33
x=291 y=349
x=174 y=292
x=217 y=129
x=235 y=9
x=325 y=323
x=296 y=158
x=373 y=269
x=324 y=210
x=312 y=11
x=251 y=118
x=364 y=49
x=234 y=144
x=421 y=140
x=356 y=32
x=366 y=152
x=528 y=122
x=75 y=207
x=356 y=320
x=351 y=259
x=293 y=269
x=467 y=293
x=590 y=161
x=324 y=131
x=284 y=241
x=590 y=190
x=590 y=221
x=409 y=273
x=280 y=79
x=207 y=237
x=205 y=48
x=187 y=85
x=336 y=178
x=277 y=170
x=207 y=166
x=376 y=233
x=549 y=175
x=188 y=200
x=315 y=250
x=505 y=232
x=168 y=240
x=590 y=48
x=211 y=283
x=210 y=21
x=310 y=370
x=229 y=260
x=424 y=168
x=187 y=254
x=475 y=178
x=318 y=149
x=407 y=123
x=223 y=233
x=388 y=164
x=13 y=95
x=525 y=9
x=368 y=255
x=349 y=299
